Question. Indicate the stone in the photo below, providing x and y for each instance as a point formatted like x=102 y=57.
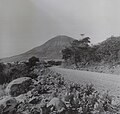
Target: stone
x=21 y=98
x=57 y=103
x=8 y=105
x=34 y=100
x=19 y=86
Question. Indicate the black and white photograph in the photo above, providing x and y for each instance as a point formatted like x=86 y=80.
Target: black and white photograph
x=59 y=57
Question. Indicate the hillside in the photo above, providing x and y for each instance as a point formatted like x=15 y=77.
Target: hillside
x=49 y=50
x=109 y=50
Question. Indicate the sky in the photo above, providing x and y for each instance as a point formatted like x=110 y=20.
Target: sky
x=25 y=24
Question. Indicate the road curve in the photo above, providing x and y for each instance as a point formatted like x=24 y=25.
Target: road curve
x=101 y=81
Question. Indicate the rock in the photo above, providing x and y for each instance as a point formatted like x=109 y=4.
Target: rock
x=57 y=104
x=5 y=99
x=8 y=105
x=24 y=97
x=40 y=89
x=36 y=110
x=21 y=98
x=34 y=100
x=19 y=86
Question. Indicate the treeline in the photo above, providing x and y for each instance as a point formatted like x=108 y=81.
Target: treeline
x=81 y=52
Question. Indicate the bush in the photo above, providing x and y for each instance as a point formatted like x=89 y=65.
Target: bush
x=54 y=63
x=32 y=61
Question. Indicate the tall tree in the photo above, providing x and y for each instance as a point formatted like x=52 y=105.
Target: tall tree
x=78 y=51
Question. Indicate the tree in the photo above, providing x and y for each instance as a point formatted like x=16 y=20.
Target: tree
x=32 y=61
x=66 y=53
x=78 y=51
x=81 y=50
x=94 y=56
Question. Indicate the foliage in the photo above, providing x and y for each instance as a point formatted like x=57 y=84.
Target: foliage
x=10 y=72
x=78 y=99
x=80 y=51
x=16 y=71
x=66 y=53
x=52 y=63
x=32 y=61
x=2 y=73
x=108 y=50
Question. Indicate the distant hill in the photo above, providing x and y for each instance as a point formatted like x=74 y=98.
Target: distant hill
x=109 y=50
x=49 y=50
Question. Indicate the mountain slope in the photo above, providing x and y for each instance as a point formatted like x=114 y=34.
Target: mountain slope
x=109 y=50
x=49 y=50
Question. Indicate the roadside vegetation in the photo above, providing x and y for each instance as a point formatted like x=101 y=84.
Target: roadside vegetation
x=47 y=92
x=30 y=87
x=81 y=54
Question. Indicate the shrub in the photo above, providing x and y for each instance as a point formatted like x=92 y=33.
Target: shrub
x=32 y=61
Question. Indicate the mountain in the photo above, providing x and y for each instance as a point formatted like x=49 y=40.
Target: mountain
x=49 y=50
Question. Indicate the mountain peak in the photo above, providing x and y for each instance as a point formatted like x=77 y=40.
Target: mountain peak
x=49 y=50
x=60 y=38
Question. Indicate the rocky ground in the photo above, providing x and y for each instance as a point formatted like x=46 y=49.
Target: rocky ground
x=51 y=93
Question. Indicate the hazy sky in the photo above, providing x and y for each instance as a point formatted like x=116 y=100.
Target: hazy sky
x=25 y=24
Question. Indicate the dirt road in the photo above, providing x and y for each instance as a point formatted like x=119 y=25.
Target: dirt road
x=101 y=81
